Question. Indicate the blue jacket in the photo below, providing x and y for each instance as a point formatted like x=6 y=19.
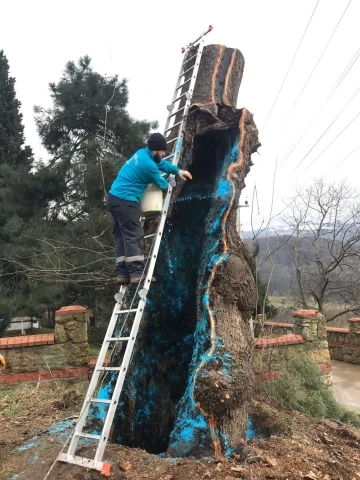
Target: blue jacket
x=140 y=170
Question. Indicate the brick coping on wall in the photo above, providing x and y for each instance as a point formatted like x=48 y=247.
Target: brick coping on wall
x=337 y=329
x=276 y=324
x=46 y=375
x=6 y=378
x=27 y=340
x=71 y=309
x=284 y=340
x=290 y=325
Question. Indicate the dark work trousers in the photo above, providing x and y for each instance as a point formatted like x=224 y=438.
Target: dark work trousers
x=129 y=236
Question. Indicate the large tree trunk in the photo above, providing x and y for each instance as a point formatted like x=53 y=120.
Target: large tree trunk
x=190 y=380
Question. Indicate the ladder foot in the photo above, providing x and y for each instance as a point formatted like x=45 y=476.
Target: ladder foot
x=106 y=469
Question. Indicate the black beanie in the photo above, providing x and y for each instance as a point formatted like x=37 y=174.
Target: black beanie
x=157 y=142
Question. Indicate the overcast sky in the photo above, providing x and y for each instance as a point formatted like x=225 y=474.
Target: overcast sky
x=142 y=41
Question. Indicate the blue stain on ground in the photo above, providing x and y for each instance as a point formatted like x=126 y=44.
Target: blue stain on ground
x=27 y=445
x=35 y=457
x=61 y=430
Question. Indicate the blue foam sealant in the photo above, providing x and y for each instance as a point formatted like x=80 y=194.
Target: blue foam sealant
x=251 y=431
x=191 y=425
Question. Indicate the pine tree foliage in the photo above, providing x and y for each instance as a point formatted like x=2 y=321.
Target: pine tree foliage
x=73 y=132
x=55 y=237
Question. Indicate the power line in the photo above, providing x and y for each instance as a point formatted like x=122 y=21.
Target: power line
x=313 y=70
x=337 y=136
x=330 y=94
x=343 y=160
x=327 y=129
x=288 y=70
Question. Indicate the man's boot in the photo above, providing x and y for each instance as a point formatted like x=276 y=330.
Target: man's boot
x=140 y=278
x=123 y=279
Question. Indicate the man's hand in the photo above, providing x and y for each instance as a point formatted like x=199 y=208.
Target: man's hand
x=184 y=175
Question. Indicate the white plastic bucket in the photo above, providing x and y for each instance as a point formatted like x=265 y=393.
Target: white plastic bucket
x=152 y=200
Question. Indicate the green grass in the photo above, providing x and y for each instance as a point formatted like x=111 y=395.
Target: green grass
x=281 y=302
x=302 y=389
x=94 y=350
x=30 y=398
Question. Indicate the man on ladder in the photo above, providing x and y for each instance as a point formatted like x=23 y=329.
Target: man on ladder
x=137 y=173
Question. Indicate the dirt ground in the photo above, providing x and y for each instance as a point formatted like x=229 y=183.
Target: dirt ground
x=34 y=427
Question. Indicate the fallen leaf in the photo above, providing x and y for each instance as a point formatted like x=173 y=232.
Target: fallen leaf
x=125 y=466
x=309 y=476
x=271 y=461
x=239 y=469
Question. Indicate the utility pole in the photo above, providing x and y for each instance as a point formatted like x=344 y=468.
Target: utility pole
x=238 y=222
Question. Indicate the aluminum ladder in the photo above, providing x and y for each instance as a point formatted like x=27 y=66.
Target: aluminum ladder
x=184 y=89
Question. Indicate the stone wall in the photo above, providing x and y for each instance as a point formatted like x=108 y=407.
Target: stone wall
x=271 y=354
x=65 y=350
x=343 y=343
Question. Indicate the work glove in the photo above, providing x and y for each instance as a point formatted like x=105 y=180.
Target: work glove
x=184 y=175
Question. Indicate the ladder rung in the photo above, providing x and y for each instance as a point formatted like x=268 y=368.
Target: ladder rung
x=187 y=81
x=81 y=461
x=132 y=310
x=184 y=63
x=186 y=71
x=170 y=141
x=181 y=96
x=177 y=111
x=151 y=235
x=109 y=369
x=116 y=339
x=100 y=400
x=171 y=155
x=88 y=435
x=175 y=125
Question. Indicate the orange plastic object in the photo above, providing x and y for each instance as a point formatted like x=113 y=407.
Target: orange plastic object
x=106 y=469
x=2 y=363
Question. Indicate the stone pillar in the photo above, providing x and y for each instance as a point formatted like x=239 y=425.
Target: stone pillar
x=71 y=333
x=259 y=325
x=312 y=326
x=354 y=326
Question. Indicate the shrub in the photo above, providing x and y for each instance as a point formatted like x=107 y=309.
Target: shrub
x=302 y=389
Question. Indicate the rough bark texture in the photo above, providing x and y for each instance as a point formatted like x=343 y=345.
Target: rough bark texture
x=190 y=379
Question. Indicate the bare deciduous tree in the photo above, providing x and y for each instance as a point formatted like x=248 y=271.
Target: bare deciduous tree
x=326 y=245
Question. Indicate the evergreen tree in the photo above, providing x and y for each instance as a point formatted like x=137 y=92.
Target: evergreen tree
x=15 y=179
x=12 y=150
x=73 y=131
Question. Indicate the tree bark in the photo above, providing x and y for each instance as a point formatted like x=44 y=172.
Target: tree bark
x=187 y=390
